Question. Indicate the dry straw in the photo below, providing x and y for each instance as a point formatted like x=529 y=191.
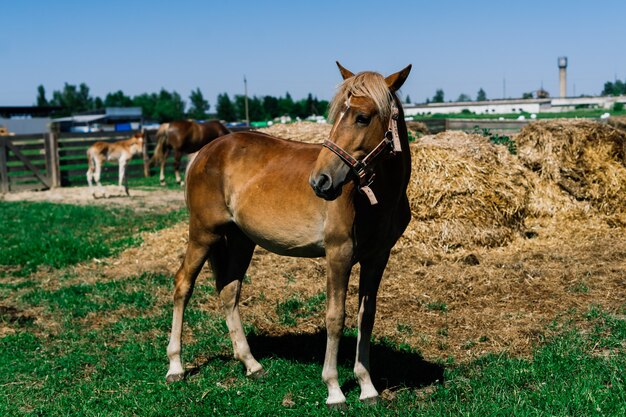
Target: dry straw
x=465 y=191
x=585 y=159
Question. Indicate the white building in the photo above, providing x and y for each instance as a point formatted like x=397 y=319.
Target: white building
x=514 y=105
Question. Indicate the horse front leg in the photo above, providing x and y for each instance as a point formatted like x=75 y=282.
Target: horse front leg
x=338 y=275
x=371 y=273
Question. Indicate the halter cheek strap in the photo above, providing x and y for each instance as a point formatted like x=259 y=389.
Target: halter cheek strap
x=364 y=169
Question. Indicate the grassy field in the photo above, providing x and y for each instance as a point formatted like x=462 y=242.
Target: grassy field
x=83 y=345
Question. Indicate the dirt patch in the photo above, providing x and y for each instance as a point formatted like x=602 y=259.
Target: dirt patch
x=139 y=199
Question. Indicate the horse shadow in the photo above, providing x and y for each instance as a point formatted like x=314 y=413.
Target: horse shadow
x=390 y=367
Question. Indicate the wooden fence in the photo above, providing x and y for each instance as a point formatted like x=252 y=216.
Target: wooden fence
x=36 y=162
x=467 y=125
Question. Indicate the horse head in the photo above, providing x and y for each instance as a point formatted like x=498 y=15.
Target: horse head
x=364 y=113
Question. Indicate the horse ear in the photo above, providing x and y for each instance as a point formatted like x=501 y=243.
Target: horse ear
x=395 y=81
x=344 y=72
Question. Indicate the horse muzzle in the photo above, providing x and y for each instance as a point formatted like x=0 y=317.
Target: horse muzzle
x=323 y=187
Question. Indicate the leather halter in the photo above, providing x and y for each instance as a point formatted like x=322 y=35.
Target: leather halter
x=364 y=169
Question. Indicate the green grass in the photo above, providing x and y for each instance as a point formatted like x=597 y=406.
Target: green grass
x=118 y=368
x=79 y=348
x=57 y=235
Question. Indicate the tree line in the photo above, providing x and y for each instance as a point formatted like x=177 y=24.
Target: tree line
x=166 y=106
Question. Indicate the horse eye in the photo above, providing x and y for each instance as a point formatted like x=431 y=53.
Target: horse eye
x=364 y=120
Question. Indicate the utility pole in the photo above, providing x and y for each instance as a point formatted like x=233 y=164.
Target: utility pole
x=245 y=87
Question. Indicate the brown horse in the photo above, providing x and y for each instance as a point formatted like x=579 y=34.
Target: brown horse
x=183 y=136
x=249 y=189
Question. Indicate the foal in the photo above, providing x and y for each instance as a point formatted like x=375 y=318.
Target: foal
x=121 y=151
x=297 y=199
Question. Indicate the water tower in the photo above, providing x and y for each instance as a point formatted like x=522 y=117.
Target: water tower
x=563 y=75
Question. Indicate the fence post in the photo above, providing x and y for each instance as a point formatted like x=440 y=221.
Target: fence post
x=4 y=169
x=52 y=150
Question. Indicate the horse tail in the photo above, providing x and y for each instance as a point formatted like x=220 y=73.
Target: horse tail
x=159 y=151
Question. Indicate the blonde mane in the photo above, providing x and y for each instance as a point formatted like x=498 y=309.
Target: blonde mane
x=364 y=84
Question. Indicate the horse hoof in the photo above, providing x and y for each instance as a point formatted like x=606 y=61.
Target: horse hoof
x=261 y=373
x=163 y=183
x=170 y=378
x=370 y=400
x=338 y=406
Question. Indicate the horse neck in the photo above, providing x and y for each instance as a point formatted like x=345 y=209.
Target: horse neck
x=399 y=165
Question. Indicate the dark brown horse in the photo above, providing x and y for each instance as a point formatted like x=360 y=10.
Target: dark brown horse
x=345 y=200
x=183 y=136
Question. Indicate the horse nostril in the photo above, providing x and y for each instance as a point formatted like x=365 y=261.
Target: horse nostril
x=322 y=183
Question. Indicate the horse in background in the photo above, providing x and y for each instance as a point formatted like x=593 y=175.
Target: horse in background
x=345 y=200
x=121 y=151
x=183 y=136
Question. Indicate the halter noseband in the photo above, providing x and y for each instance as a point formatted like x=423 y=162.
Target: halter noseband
x=364 y=169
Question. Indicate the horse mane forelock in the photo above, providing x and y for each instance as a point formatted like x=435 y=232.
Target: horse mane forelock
x=364 y=84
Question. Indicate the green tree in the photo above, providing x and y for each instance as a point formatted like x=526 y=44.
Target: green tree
x=270 y=106
x=199 y=106
x=463 y=97
x=438 y=97
x=481 y=96
x=407 y=100
x=256 y=110
x=73 y=99
x=147 y=102
x=614 y=88
x=285 y=105
x=169 y=106
x=117 y=99
x=225 y=108
x=42 y=101
x=527 y=95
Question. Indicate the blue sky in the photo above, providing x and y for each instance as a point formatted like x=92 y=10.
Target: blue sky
x=291 y=46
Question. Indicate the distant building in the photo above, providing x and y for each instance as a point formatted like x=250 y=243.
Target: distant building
x=537 y=105
x=26 y=120
x=110 y=119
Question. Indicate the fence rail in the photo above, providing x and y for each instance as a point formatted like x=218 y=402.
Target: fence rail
x=37 y=162
x=495 y=126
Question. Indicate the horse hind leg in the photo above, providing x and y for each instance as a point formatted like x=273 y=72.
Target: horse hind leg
x=177 y=157
x=123 y=180
x=97 y=174
x=162 y=173
x=184 y=282
x=230 y=263
x=90 y=179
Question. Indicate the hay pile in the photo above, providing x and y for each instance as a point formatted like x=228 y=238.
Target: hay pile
x=465 y=191
x=300 y=131
x=618 y=122
x=586 y=159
